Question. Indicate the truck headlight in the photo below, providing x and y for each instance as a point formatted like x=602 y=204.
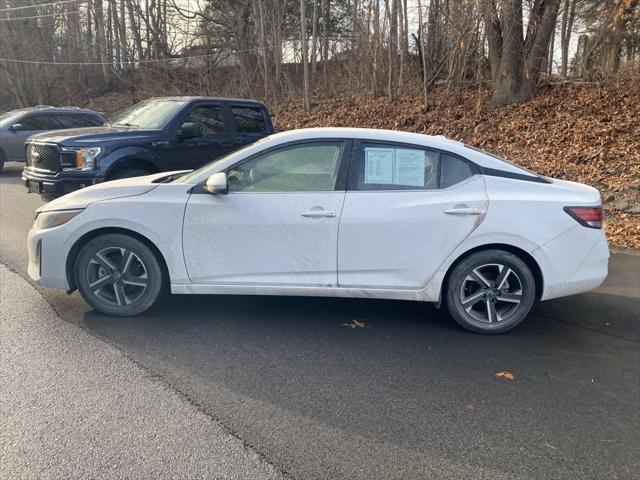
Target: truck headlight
x=55 y=218
x=84 y=156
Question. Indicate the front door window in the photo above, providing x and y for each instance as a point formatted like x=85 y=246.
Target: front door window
x=299 y=168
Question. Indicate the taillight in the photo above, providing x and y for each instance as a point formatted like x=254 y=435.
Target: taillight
x=586 y=216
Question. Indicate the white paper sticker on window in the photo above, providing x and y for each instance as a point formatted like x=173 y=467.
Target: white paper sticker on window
x=409 y=167
x=378 y=165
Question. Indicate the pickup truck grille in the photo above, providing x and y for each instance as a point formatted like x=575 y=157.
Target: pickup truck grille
x=44 y=157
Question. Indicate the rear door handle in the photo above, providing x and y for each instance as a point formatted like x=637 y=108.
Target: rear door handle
x=318 y=213
x=463 y=211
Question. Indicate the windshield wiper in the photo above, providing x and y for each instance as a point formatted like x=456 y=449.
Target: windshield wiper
x=124 y=124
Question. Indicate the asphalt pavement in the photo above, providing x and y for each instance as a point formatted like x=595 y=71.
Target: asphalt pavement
x=410 y=396
x=75 y=407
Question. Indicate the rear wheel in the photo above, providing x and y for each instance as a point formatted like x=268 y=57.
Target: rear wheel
x=118 y=275
x=128 y=173
x=491 y=291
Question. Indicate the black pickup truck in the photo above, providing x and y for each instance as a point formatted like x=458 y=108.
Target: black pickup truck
x=155 y=135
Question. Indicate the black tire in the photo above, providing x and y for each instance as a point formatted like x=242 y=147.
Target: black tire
x=490 y=291
x=128 y=173
x=2 y=160
x=132 y=286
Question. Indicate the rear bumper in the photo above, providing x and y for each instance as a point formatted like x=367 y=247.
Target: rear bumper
x=57 y=184
x=575 y=262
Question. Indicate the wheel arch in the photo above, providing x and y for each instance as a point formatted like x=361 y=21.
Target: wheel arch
x=133 y=163
x=84 y=239
x=525 y=256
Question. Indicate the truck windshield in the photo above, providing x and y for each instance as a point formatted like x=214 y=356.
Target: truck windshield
x=152 y=114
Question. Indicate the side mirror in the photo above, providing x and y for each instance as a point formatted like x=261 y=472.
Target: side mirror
x=217 y=184
x=189 y=130
x=17 y=127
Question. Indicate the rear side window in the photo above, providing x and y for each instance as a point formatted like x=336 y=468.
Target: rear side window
x=208 y=117
x=69 y=120
x=453 y=170
x=40 y=122
x=390 y=167
x=249 y=119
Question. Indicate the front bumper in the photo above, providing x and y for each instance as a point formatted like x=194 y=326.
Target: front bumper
x=57 y=184
x=47 y=257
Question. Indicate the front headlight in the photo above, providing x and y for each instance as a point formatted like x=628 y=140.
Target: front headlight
x=52 y=219
x=85 y=157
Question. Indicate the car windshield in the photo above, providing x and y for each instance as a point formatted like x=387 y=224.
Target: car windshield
x=8 y=118
x=151 y=114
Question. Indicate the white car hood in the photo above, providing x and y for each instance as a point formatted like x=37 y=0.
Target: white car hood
x=126 y=187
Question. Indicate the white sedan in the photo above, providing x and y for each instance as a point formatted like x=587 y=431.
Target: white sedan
x=331 y=212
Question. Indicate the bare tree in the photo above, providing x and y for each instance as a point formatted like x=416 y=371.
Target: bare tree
x=305 y=60
x=516 y=60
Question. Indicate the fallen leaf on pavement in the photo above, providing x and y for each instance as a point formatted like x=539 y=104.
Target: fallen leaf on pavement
x=505 y=374
x=355 y=324
x=471 y=407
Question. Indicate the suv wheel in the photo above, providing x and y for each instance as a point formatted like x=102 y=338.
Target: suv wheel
x=118 y=275
x=490 y=291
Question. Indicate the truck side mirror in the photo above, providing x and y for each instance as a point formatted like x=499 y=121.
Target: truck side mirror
x=189 y=130
x=217 y=184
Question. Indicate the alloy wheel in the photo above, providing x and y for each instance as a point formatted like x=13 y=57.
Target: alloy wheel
x=491 y=293
x=117 y=276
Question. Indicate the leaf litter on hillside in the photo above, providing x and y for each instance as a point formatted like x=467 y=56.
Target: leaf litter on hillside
x=584 y=133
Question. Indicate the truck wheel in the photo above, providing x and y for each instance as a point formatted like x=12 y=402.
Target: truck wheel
x=128 y=173
x=118 y=275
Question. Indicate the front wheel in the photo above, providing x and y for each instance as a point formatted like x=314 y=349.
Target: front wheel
x=491 y=291
x=118 y=275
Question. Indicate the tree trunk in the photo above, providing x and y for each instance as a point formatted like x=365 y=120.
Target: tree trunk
x=423 y=58
x=263 y=48
x=314 y=38
x=516 y=62
x=305 y=61
x=392 y=87
x=542 y=23
x=325 y=36
x=568 y=15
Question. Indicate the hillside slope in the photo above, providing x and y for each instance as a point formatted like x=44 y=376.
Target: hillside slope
x=575 y=132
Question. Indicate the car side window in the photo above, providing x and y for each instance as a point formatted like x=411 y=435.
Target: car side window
x=69 y=120
x=297 y=168
x=453 y=170
x=248 y=119
x=40 y=122
x=208 y=117
x=395 y=167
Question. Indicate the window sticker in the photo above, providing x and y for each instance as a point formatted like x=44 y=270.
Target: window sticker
x=394 y=166
x=378 y=165
x=409 y=167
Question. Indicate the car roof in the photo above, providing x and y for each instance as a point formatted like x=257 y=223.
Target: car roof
x=438 y=142
x=210 y=99
x=49 y=108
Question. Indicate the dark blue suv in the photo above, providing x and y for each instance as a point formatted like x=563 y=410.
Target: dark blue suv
x=155 y=135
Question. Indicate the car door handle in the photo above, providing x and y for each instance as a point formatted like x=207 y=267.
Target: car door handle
x=318 y=213
x=463 y=211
